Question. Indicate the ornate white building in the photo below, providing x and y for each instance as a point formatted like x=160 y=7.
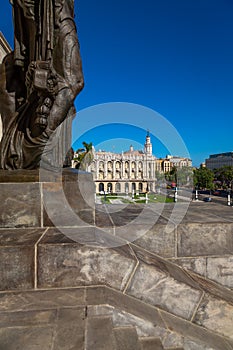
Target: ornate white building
x=131 y=171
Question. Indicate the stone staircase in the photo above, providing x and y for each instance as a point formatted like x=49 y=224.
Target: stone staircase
x=102 y=335
x=121 y=283
x=60 y=320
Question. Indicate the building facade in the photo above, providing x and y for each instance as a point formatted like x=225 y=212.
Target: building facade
x=132 y=171
x=216 y=161
x=4 y=49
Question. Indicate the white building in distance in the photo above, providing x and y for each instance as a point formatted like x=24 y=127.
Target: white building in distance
x=216 y=161
x=131 y=171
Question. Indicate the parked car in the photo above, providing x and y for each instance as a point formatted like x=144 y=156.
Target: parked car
x=217 y=193
x=207 y=199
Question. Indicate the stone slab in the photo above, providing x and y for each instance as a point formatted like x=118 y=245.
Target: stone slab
x=17 y=257
x=70 y=329
x=60 y=329
x=42 y=300
x=151 y=344
x=100 y=334
x=20 y=205
x=182 y=275
x=197 y=333
x=155 y=287
x=220 y=269
x=39 y=198
x=195 y=212
x=122 y=319
x=27 y=338
x=72 y=264
x=160 y=240
x=126 y=338
x=197 y=265
x=65 y=204
x=202 y=239
x=103 y=295
x=216 y=315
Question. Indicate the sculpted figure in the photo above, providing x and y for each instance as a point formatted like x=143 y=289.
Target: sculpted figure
x=39 y=81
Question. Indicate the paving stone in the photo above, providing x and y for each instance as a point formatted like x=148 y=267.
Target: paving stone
x=173 y=340
x=121 y=318
x=100 y=334
x=41 y=300
x=191 y=345
x=196 y=212
x=71 y=264
x=126 y=338
x=100 y=295
x=70 y=329
x=197 y=265
x=158 y=289
x=221 y=270
x=160 y=239
x=196 y=333
x=27 y=318
x=91 y=236
x=26 y=338
x=102 y=218
x=205 y=239
x=151 y=344
x=216 y=315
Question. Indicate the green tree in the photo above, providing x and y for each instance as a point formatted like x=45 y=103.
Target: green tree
x=225 y=176
x=185 y=176
x=181 y=176
x=84 y=156
x=203 y=178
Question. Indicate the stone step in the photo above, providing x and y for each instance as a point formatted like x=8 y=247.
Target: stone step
x=126 y=338
x=99 y=334
x=56 y=258
x=151 y=343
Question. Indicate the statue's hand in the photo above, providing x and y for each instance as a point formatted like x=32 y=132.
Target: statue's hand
x=42 y=112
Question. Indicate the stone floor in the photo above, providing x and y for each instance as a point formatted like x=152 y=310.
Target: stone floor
x=146 y=277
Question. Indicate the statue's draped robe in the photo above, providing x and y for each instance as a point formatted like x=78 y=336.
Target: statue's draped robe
x=44 y=31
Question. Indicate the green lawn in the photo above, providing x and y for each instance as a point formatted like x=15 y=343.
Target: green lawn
x=152 y=198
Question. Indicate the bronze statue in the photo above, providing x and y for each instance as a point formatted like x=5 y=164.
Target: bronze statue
x=39 y=82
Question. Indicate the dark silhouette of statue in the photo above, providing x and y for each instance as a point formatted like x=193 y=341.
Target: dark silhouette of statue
x=39 y=82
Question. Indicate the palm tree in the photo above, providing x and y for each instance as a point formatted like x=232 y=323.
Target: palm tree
x=84 y=156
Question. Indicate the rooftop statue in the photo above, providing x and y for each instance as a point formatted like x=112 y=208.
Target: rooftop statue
x=39 y=82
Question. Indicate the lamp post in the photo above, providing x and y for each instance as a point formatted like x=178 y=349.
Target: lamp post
x=196 y=194
x=229 y=197
x=175 y=195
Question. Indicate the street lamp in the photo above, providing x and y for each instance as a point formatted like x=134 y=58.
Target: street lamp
x=229 y=197
x=175 y=195
x=196 y=194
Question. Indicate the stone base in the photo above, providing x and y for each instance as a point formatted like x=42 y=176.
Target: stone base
x=168 y=288
x=46 y=198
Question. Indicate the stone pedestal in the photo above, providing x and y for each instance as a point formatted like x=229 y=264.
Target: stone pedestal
x=39 y=199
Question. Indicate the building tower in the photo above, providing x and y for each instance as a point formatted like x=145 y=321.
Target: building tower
x=148 y=145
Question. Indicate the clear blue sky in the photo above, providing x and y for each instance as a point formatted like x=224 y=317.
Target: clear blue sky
x=175 y=57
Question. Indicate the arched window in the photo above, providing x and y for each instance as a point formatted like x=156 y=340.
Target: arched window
x=109 y=187
x=118 y=166
x=101 y=187
x=118 y=187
